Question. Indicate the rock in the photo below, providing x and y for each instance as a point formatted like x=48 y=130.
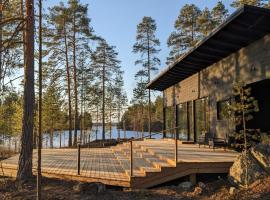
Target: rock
x=89 y=187
x=198 y=191
x=185 y=185
x=232 y=190
x=201 y=185
x=238 y=170
x=261 y=153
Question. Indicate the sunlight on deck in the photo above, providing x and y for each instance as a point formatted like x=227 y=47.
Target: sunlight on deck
x=112 y=165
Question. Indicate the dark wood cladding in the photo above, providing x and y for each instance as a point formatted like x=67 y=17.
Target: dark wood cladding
x=245 y=26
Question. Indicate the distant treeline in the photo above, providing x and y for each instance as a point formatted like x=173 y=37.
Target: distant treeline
x=136 y=117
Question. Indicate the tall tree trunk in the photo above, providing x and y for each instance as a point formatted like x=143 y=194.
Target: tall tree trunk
x=124 y=127
x=35 y=137
x=110 y=121
x=69 y=93
x=84 y=108
x=75 y=80
x=82 y=134
x=118 y=123
x=97 y=124
x=142 y=122
x=51 y=138
x=39 y=176
x=149 y=91
x=1 y=48
x=26 y=154
x=103 y=102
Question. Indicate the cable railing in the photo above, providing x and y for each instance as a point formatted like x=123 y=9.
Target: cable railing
x=131 y=156
x=149 y=136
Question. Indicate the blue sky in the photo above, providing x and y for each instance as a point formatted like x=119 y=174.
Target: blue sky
x=116 y=21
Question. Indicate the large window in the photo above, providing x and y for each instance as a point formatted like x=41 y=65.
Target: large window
x=169 y=121
x=182 y=121
x=223 y=109
x=190 y=120
x=201 y=116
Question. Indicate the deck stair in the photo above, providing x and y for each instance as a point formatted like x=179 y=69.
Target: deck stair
x=154 y=161
x=144 y=161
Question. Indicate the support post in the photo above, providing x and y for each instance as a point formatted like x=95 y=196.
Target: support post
x=193 y=179
x=131 y=159
x=79 y=159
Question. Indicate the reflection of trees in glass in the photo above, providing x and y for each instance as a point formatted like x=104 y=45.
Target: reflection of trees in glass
x=201 y=116
x=169 y=120
x=190 y=120
x=222 y=109
x=182 y=121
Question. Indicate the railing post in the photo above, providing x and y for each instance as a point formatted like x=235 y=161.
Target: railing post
x=176 y=149
x=131 y=159
x=79 y=159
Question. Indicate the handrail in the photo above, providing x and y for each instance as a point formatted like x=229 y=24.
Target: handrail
x=155 y=133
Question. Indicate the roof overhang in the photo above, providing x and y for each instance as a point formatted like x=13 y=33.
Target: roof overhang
x=242 y=28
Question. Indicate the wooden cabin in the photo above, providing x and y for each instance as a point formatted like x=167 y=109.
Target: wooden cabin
x=198 y=86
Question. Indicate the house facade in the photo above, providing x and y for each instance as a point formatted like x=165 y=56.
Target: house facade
x=198 y=87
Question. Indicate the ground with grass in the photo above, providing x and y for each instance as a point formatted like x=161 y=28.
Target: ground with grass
x=57 y=189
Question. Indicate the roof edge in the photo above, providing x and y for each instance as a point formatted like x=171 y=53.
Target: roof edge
x=233 y=16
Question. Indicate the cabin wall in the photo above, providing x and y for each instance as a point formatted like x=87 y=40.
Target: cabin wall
x=249 y=64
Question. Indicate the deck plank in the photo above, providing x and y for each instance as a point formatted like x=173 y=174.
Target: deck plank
x=152 y=163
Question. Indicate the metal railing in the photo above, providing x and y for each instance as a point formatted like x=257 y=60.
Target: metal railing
x=130 y=141
x=148 y=136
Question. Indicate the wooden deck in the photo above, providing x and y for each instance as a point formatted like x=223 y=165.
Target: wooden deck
x=153 y=163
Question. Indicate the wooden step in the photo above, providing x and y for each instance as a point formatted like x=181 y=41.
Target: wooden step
x=140 y=164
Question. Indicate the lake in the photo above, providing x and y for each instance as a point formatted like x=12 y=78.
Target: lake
x=95 y=133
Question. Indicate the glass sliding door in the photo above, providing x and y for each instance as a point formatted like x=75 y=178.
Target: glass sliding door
x=169 y=121
x=190 y=122
x=182 y=121
x=201 y=116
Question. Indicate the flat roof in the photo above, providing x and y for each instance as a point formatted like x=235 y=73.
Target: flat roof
x=243 y=27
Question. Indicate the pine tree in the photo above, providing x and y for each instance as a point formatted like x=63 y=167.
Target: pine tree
x=205 y=22
x=26 y=154
x=68 y=34
x=11 y=42
x=219 y=13
x=139 y=99
x=241 y=111
x=120 y=98
x=178 y=43
x=239 y=3
x=105 y=63
x=10 y=112
x=147 y=46
x=186 y=33
x=85 y=83
x=80 y=31
x=40 y=107
x=52 y=104
x=58 y=47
